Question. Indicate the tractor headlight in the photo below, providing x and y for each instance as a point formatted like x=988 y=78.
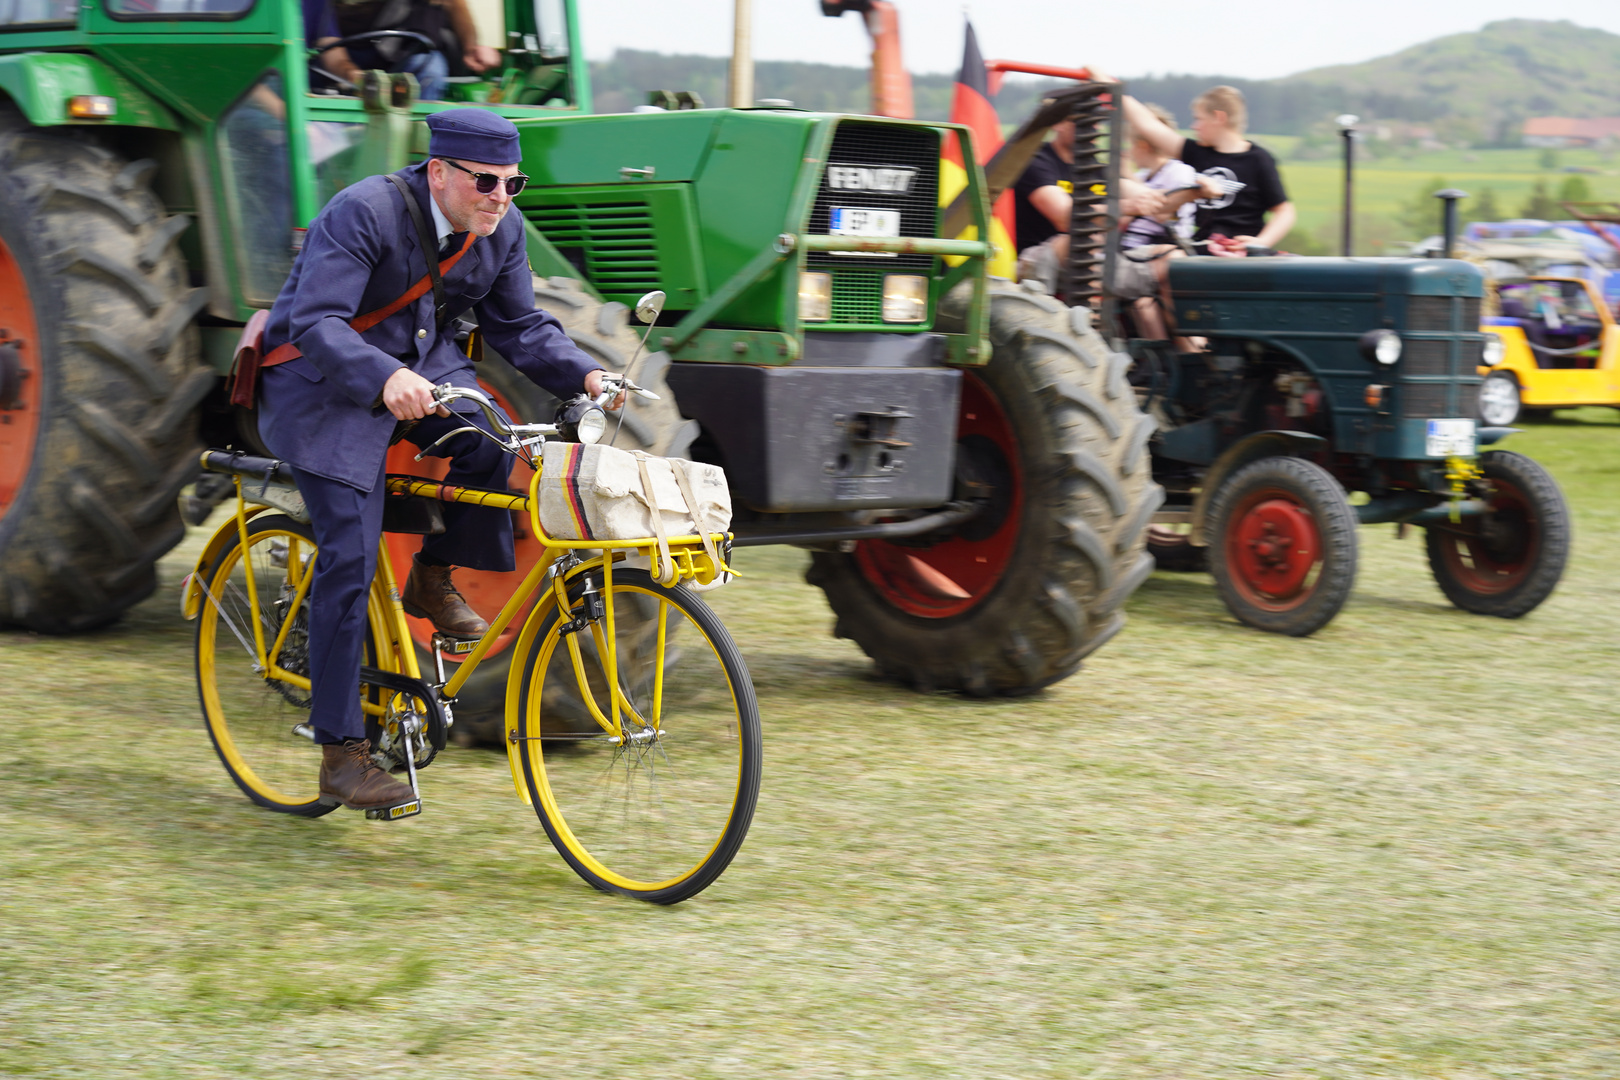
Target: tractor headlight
x=815 y=297
x=1494 y=350
x=581 y=420
x=1383 y=346
x=905 y=298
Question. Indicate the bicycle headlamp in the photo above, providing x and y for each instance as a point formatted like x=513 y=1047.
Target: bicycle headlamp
x=581 y=420
x=1383 y=346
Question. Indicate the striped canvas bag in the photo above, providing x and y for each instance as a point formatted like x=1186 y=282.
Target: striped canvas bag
x=603 y=493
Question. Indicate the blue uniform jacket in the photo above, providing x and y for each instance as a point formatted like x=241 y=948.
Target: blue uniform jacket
x=322 y=411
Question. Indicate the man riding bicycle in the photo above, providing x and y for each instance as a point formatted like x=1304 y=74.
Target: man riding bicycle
x=356 y=341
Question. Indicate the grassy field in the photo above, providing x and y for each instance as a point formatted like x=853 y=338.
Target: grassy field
x=1385 y=185
x=1386 y=851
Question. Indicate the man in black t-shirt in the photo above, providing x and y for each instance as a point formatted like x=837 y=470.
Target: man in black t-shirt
x=1254 y=208
x=1043 y=202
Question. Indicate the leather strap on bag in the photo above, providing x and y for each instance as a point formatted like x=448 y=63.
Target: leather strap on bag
x=665 y=572
x=684 y=482
x=244 y=379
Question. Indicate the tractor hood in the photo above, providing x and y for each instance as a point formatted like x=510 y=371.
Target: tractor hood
x=1327 y=278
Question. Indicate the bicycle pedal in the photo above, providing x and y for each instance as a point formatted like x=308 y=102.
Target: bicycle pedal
x=395 y=813
x=454 y=646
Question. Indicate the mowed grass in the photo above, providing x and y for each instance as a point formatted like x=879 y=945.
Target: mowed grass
x=1389 y=850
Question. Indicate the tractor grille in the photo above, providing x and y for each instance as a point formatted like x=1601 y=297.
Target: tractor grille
x=880 y=146
x=1426 y=400
x=857 y=297
x=1426 y=358
x=612 y=243
x=1435 y=314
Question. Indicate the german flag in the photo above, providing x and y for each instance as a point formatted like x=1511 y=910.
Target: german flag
x=971 y=107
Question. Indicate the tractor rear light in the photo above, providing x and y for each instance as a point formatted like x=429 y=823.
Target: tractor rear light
x=815 y=297
x=905 y=298
x=92 y=107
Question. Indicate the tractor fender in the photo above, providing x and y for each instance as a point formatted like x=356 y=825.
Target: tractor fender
x=41 y=85
x=1249 y=448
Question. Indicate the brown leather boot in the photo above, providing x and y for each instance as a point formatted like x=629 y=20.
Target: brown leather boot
x=430 y=594
x=350 y=776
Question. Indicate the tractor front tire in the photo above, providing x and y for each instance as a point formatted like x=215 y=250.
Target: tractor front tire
x=1014 y=599
x=1507 y=561
x=103 y=373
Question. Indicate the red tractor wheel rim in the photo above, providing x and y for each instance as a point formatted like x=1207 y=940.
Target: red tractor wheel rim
x=953 y=576
x=486 y=591
x=1272 y=546
x=1492 y=553
x=21 y=381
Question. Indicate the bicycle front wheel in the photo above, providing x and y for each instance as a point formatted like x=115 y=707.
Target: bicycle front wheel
x=653 y=799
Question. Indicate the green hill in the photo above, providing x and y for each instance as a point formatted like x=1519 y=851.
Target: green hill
x=1476 y=87
x=1485 y=84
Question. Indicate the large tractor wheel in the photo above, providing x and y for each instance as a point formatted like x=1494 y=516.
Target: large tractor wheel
x=606 y=335
x=100 y=376
x=1015 y=598
x=1506 y=561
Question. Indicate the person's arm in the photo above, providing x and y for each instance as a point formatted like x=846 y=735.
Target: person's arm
x=1279 y=225
x=1281 y=211
x=1144 y=125
x=1136 y=199
x=341 y=253
x=530 y=339
x=337 y=61
x=479 y=58
x=1055 y=204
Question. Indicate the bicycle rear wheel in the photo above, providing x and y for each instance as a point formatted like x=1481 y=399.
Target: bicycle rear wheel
x=251 y=718
x=656 y=808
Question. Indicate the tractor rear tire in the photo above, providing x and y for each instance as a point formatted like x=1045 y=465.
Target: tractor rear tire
x=1014 y=599
x=106 y=380
x=603 y=331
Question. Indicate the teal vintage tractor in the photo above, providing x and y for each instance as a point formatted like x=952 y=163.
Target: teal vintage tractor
x=964 y=457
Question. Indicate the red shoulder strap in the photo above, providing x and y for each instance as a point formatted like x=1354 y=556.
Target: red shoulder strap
x=361 y=323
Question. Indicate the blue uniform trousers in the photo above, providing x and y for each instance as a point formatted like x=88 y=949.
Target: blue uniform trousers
x=348 y=527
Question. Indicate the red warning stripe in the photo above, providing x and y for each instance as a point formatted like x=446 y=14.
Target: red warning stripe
x=570 y=484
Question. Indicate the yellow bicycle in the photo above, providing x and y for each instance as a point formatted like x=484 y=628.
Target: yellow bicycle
x=631 y=723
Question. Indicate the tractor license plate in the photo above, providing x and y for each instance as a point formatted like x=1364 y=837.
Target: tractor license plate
x=1450 y=438
x=858 y=221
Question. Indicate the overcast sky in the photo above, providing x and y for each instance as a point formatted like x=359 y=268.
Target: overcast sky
x=1252 y=38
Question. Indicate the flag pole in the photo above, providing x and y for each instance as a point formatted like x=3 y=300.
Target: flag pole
x=742 y=56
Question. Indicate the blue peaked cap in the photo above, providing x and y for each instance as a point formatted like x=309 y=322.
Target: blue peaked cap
x=473 y=135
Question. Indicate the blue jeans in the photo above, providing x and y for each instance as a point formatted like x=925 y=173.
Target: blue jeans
x=430 y=69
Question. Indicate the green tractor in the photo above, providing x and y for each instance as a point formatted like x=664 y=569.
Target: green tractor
x=965 y=457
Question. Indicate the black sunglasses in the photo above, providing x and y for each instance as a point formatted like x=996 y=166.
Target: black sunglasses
x=485 y=182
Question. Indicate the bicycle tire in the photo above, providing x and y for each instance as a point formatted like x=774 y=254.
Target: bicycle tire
x=682 y=800
x=250 y=719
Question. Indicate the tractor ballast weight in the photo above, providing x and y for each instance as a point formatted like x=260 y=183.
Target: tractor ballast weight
x=964 y=457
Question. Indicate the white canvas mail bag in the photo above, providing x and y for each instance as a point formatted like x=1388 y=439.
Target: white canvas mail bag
x=603 y=493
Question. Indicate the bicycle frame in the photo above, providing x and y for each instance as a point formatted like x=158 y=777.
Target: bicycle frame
x=559 y=562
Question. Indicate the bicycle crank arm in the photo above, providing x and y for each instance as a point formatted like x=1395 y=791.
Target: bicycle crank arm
x=434 y=712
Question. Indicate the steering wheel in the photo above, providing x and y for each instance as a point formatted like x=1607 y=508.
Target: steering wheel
x=413 y=42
